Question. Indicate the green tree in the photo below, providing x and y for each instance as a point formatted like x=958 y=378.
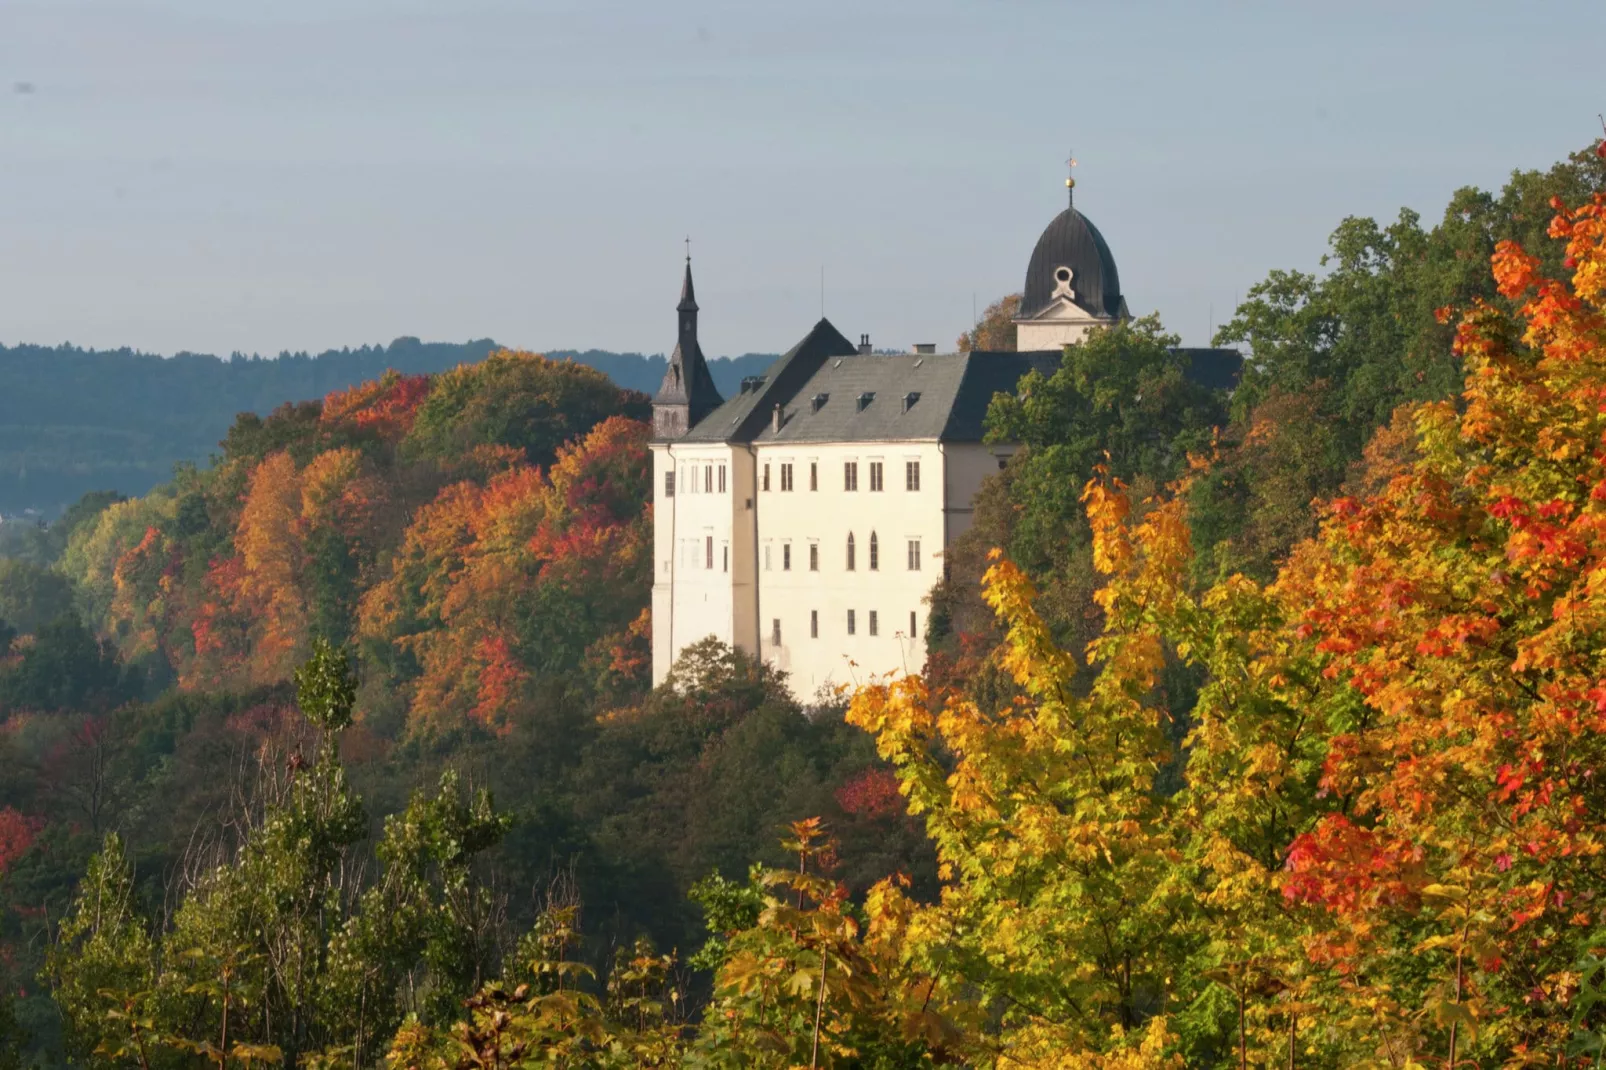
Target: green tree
x=279 y=953
x=66 y=668
x=1121 y=400
x=517 y=399
x=32 y=595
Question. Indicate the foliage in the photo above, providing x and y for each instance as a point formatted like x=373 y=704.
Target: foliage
x=272 y=954
x=65 y=667
x=516 y=399
x=1330 y=357
x=32 y=595
x=995 y=331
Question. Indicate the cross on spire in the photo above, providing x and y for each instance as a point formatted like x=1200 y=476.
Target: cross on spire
x=688 y=248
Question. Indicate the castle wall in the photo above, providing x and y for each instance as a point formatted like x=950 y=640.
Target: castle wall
x=811 y=605
x=700 y=578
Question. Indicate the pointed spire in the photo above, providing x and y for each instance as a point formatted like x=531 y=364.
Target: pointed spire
x=687 y=393
x=688 y=298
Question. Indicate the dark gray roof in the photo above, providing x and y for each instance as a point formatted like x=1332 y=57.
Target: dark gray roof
x=1217 y=369
x=1074 y=242
x=687 y=380
x=954 y=392
x=742 y=417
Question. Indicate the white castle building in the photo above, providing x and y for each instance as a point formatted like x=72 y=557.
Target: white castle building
x=804 y=520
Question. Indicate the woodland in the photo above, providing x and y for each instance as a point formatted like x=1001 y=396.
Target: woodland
x=75 y=421
x=1257 y=728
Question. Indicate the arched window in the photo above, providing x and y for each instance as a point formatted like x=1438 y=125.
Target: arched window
x=875 y=552
x=850 y=551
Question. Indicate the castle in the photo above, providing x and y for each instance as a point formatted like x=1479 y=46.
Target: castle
x=804 y=520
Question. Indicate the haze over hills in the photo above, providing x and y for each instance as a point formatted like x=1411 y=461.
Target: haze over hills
x=75 y=420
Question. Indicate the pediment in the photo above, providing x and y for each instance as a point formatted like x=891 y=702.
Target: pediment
x=1063 y=311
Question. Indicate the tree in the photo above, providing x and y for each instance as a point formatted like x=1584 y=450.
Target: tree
x=31 y=595
x=1330 y=357
x=517 y=399
x=65 y=667
x=1121 y=400
x=270 y=956
x=995 y=331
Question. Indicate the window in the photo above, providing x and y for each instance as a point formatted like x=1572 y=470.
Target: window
x=914 y=555
x=875 y=552
x=766 y=557
x=722 y=479
x=786 y=477
x=850 y=622
x=708 y=479
x=726 y=551
x=875 y=475
x=850 y=475
x=911 y=624
x=786 y=557
x=814 y=475
x=766 y=477
x=814 y=557
x=708 y=552
x=814 y=624
x=850 y=551
x=775 y=631
x=669 y=483
x=874 y=624
x=911 y=475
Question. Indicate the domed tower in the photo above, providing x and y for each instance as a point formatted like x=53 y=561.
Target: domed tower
x=687 y=393
x=1071 y=284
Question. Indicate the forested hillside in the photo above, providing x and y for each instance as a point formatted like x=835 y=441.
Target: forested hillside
x=1254 y=730
x=74 y=420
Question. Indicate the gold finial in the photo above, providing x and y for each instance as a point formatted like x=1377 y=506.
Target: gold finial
x=1070 y=177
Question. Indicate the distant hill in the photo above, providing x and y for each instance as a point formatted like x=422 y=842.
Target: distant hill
x=75 y=420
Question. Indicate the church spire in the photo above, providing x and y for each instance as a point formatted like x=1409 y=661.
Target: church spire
x=688 y=298
x=687 y=393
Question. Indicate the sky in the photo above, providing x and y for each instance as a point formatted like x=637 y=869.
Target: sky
x=220 y=176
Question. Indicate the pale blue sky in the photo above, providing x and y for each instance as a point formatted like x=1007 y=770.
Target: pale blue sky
x=213 y=175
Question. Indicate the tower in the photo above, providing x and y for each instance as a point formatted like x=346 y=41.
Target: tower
x=687 y=393
x=1071 y=283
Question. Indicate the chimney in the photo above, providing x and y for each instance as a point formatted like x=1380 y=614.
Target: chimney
x=864 y=345
x=925 y=349
x=777 y=417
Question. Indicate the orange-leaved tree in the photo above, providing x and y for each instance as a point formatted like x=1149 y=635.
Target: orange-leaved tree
x=1386 y=844
x=1456 y=887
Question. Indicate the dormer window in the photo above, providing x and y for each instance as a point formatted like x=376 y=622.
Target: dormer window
x=909 y=400
x=818 y=402
x=865 y=399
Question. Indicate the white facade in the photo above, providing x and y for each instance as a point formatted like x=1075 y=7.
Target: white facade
x=765 y=565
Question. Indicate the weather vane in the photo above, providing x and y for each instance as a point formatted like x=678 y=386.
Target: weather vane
x=1070 y=176
x=688 y=248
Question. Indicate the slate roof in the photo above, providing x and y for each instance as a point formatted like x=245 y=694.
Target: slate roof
x=1071 y=240
x=687 y=380
x=955 y=390
x=742 y=417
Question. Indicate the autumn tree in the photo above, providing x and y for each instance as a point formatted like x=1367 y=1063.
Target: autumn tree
x=517 y=399
x=995 y=331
